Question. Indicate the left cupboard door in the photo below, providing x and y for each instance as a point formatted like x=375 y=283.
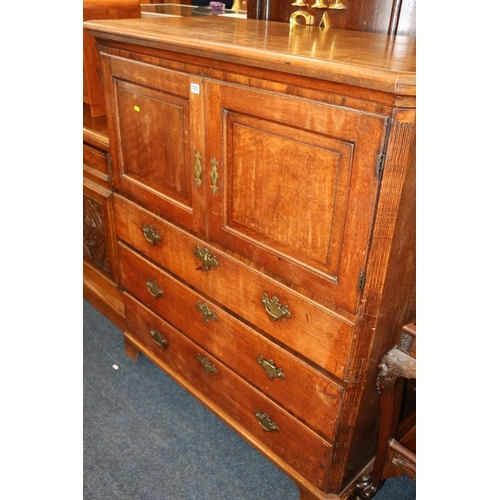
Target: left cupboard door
x=157 y=138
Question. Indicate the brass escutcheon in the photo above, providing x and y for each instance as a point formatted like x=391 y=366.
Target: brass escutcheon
x=197 y=168
x=207 y=260
x=274 y=308
x=154 y=289
x=206 y=312
x=150 y=234
x=207 y=366
x=158 y=338
x=270 y=368
x=214 y=175
x=265 y=422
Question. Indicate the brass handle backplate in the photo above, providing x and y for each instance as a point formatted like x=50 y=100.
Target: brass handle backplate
x=270 y=368
x=150 y=234
x=265 y=422
x=154 y=289
x=206 y=312
x=158 y=338
x=274 y=308
x=207 y=366
x=207 y=260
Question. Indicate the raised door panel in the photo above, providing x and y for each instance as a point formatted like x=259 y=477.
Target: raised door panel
x=159 y=139
x=296 y=188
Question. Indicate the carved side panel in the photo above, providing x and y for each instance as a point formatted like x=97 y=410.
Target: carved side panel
x=94 y=236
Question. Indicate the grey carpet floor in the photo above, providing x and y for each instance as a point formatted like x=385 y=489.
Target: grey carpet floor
x=146 y=438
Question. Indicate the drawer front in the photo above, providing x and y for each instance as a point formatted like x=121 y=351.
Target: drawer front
x=95 y=163
x=241 y=289
x=288 y=437
x=308 y=394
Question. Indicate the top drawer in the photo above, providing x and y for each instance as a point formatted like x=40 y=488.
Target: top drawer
x=305 y=326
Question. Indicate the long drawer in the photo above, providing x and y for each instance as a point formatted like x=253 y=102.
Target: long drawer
x=308 y=394
x=239 y=288
x=279 y=431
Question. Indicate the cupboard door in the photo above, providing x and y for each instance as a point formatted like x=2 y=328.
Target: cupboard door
x=158 y=146
x=295 y=187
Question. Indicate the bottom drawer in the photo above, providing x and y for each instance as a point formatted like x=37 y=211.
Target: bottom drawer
x=284 y=435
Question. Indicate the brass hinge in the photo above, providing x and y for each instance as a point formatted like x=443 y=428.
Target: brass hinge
x=380 y=164
x=361 y=280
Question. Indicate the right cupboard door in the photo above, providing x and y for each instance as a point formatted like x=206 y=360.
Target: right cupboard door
x=293 y=185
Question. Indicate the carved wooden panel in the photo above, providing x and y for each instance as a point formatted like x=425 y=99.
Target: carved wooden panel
x=94 y=235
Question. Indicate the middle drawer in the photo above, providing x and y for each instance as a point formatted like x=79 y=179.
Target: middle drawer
x=305 y=392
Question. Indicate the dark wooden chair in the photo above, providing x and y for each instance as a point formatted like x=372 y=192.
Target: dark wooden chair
x=396 y=453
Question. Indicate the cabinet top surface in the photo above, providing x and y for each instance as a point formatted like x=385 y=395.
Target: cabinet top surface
x=370 y=60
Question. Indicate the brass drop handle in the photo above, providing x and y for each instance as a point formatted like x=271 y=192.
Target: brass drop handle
x=207 y=366
x=265 y=422
x=154 y=289
x=207 y=260
x=206 y=312
x=150 y=234
x=270 y=368
x=274 y=308
x=158 y=338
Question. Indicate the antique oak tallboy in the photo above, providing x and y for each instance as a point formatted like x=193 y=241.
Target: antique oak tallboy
x=264 y=205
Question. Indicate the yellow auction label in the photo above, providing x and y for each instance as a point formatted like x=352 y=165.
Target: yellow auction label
x=137 y=108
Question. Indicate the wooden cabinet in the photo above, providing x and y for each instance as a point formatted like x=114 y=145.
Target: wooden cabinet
x=265 y=217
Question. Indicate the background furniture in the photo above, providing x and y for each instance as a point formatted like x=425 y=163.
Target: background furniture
x=93 y=93
x=265 y=214
x=100 y=264
x=396 y=447
x=392 y=17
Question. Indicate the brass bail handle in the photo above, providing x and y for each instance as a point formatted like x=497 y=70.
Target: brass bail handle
x=265 y=421
x=207 y=259
x=270 y=368
x=150 y=234
x=207 y=366
x=158 y=338
x=274 y=308
x=207 y=314
x=154 y=289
